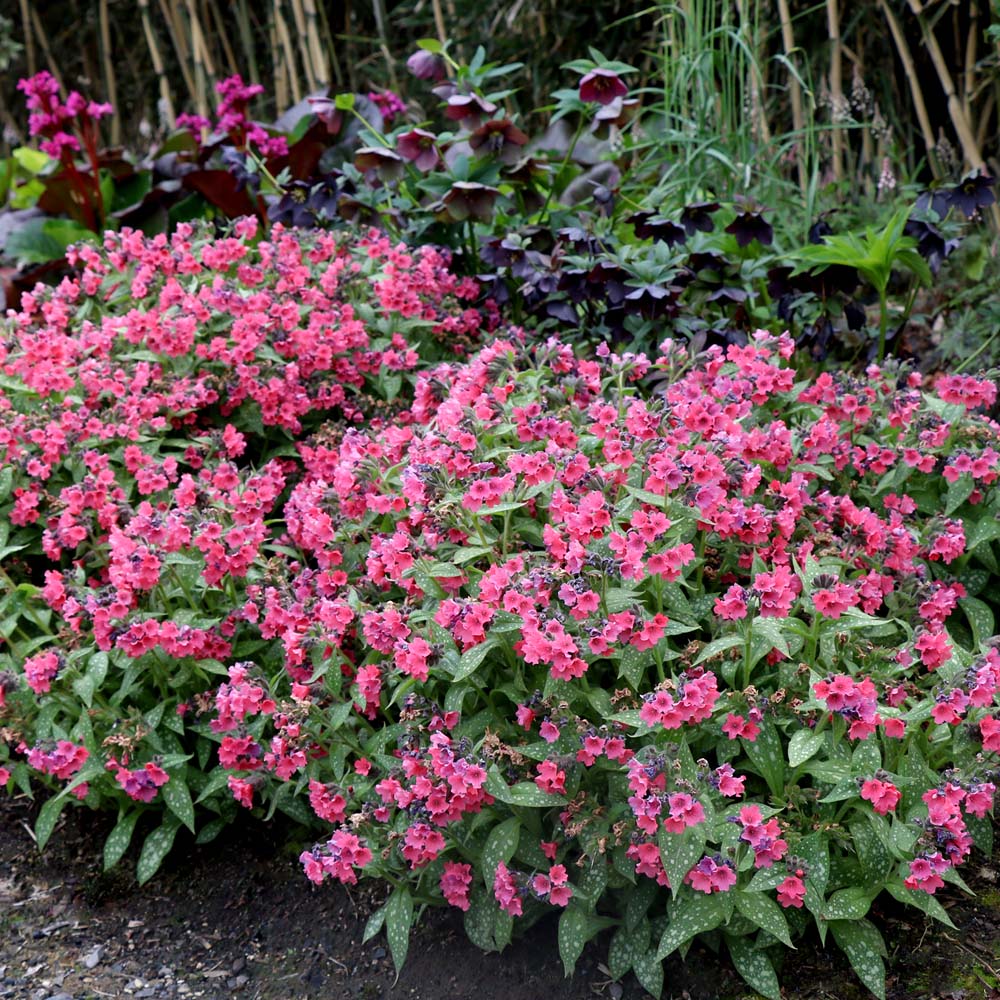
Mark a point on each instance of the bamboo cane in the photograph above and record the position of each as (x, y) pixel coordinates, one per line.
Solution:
(222, 33)
(305, 50)
(794, 91)
(246, 40)
(836, 85)
(154, 53)
(43, 42)
(910, 69)
(970, 60)
(321, 71)
(198, 59)
(289, 53)
(108, 70)
(970, 150)
(29, 41)
(171, 16)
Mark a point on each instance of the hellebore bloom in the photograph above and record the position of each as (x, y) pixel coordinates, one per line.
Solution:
(602, 86)
(328, 113)
(697, 218)
(468, 109)
(973, 193)
(501, 138)
(418, 147)
(750, 225)
(387, 164)
(426, 65)
(468, 199)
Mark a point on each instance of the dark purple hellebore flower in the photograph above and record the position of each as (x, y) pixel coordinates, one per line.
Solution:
(602, 86)
(426, 65)
(697, 217)
(467, 199)
(501, 138)
(973, 193)
(469, 109)
(750, 225)
(293, 208)
(387, 164)
(649, 226)
(418, 147)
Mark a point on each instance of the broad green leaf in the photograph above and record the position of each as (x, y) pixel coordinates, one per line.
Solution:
(754, 966)
(980, 618)
(527, 793)
(626, 946)
(768, 757)
(48, 816)
(680, 852)
(120, 837)
(178, 798)
(472, 659)
(648, 970)
(764, 912)
(851, 903)
(862, 945)
(803, 745)
(156, 847)
(500, 846)
(398, 918)
(573, 927)
(921, 900)
(374, 924)
(692, 915)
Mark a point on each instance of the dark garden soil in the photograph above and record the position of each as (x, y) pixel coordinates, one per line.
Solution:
(238, 919)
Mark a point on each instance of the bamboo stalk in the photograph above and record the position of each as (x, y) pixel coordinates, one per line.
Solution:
(222, 33)
(439, 21)
(378, 8)
(179, 41)
(280, 77)
(43, 41)
(286, 44)
(984, 118)
(320, 67)
(970, 59)
(198, 59)
(108, 70)
(836, 85)
(246, 40)
(305, 52)
(29, 41)
(328, 44)
(166, 103)
(970, 150)
(910, 69)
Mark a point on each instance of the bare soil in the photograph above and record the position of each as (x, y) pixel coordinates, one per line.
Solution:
(237, 919)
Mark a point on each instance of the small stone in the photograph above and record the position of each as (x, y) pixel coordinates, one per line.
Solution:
(615, 991)
(378, 953)
(239, 965)
(93, 957)
(60, 996)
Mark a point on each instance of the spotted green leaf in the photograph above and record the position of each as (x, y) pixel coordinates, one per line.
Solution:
(472, 659)
(692, 915)
(48, 816)
(120, 837)
(804, 744)
(958, 492)
(764, 912)
(863, 946)
(500, 846)
(754, 966)
(576, 928)
(178, 798)
(527, 793)
(648, 970)
(980, 618)
(851, 903)
(626, 946)
(767, 755)
(479, 919)
(639, 900)
(921, 900)
(156, 847)
(398, 918)
(680, 852)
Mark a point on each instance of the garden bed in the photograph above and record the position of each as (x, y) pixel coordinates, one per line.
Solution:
(233, 920)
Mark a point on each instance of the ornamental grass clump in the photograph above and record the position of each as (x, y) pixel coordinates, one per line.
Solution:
(705, 652)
